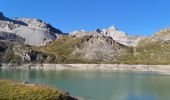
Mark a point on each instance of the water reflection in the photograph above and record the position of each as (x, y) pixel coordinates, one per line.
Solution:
(99, 85)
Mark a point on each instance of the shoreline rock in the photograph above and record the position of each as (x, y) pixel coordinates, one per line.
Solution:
(163, 69)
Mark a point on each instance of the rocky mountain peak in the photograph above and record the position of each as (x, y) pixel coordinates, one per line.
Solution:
(37, 24)
(114, 33)
(118, 36)
(1, 16)
(33, 31)
(113, 27)
(162, 35)
(163, 32)
(34, 23)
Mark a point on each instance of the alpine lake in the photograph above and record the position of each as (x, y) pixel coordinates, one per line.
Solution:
(98, 85)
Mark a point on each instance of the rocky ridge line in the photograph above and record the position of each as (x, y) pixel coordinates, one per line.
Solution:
(34, 31)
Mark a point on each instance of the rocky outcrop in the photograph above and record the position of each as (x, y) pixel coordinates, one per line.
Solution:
(11, 37)
(98, 47)
(80, 33)
(163, 35)
(102, 44)
(19, 53)
(118, 36)
(34, 31)
(114, 33)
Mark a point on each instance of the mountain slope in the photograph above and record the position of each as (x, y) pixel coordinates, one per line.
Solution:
(34, 31)
(94, 48)
(16, 53)
(151, 50)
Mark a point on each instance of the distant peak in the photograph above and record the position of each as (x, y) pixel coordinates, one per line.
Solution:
(1, 13)
(113, 27)
(1, 16)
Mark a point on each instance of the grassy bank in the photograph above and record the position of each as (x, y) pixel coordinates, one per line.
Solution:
(154, 53)
(62, 49)
(10, 90)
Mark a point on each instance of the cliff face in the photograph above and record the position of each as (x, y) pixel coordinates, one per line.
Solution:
(11, 37)
(98, 47)
(118, 36)
(33, 31)
(163, 35)
(18, 53)
(114, 33)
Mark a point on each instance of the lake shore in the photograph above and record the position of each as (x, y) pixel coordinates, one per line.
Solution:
(164, 69)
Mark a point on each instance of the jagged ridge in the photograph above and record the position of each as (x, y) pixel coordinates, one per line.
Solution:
(34, 31)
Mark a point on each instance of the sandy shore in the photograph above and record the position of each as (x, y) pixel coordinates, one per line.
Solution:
(165, 69)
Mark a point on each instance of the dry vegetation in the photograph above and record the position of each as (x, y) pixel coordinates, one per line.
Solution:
(10, 90)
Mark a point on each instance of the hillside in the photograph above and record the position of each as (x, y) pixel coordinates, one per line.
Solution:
(18, 91)
(18, 53)
(151, 50)
(86, 49)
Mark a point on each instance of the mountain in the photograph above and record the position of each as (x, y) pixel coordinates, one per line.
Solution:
(26, 40)
(94, 47)
(97, 46)
(150, 50)
(32, 31)
(118, 36)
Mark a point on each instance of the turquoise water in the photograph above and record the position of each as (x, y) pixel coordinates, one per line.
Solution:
(99, 85)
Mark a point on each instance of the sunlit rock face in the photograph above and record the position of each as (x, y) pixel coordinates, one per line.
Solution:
(162, 35)
(118, 36)
(34, 31)
(114, 33)
(98, 47)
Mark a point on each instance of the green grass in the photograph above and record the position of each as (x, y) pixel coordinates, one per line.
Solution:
(63, 49)
(153, 53)
(146, 53)
(10, 90)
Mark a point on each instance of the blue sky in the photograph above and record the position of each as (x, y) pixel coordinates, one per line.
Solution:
(136, 17)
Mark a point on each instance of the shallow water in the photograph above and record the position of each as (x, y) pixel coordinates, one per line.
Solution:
(99, 85)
